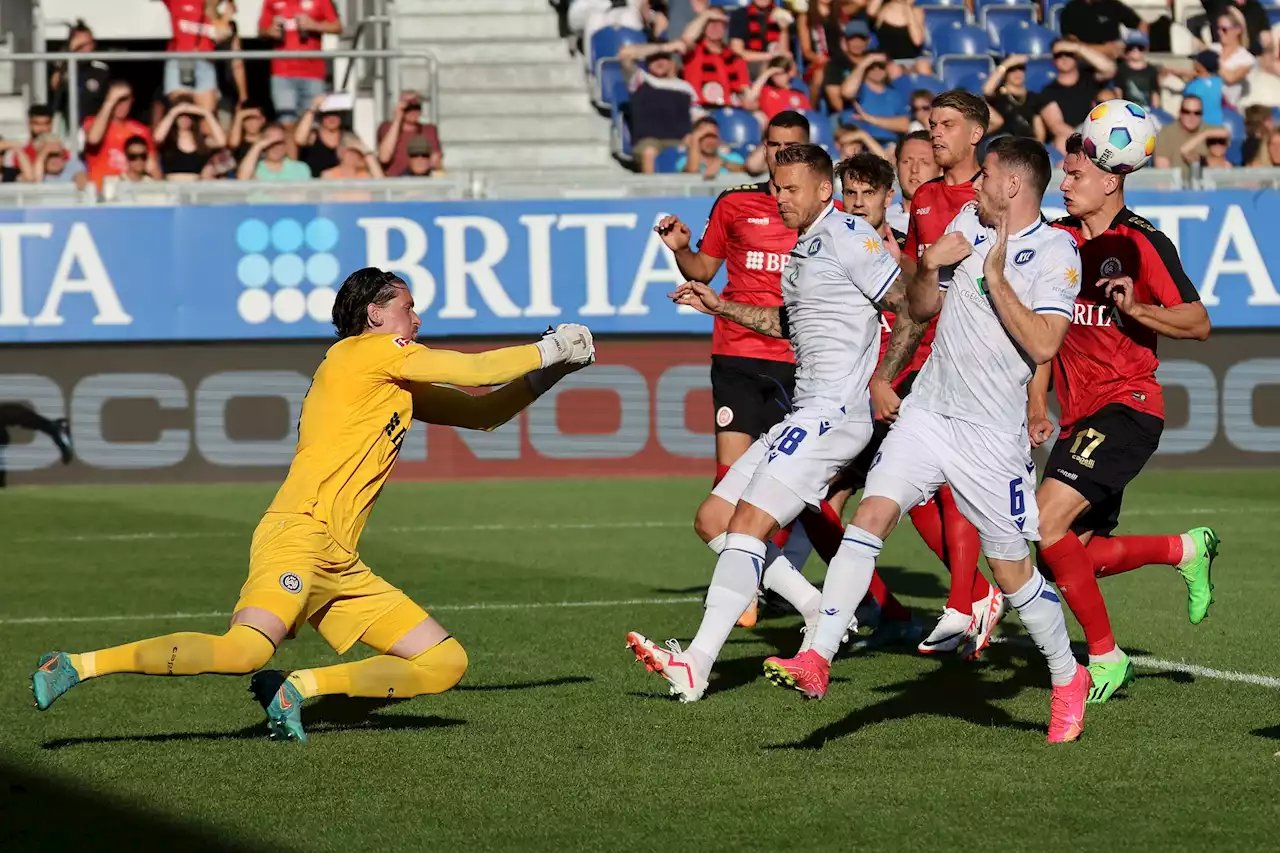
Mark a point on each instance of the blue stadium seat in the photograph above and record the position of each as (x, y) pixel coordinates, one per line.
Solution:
(1234, 122)
(956, 69)
(850, 119)
(1040, 72)
(612, 84)
(974, 81)
(737, 127)
(729, 4)
(1027, 38)
(1055, 156)
(1273, 15)
(960, 40)
(908, 83)
(819, 128)
(933, 3)
(621, 135)
(938, 17)
(997, 19)
(608, 41)
(1053, 14)
(665, 163)
(979, 6)
(1235, 151)
(1162, 118)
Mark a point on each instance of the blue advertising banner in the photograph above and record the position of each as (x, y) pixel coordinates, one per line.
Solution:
(476, 268)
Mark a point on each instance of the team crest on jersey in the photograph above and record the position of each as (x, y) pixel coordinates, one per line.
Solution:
(291, 582)
(724, 416)
(1024, 256)
(872, 245)
(815, 247)
(401, 342)
(1111, 268)
(1071, 276)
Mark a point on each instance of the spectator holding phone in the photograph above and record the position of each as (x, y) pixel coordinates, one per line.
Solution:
(297, 25)
(405, 126)
(317, 143)
(268, 159)
(197, 26)
(107, 134)
(188, 137)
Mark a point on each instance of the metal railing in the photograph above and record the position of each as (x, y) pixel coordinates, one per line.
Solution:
(74, 59)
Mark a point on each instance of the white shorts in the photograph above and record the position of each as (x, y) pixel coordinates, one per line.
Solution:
(792, 464)
(990, 473)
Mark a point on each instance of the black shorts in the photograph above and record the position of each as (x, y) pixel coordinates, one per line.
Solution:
(1104, 452)
(854, 475)
(751, 395)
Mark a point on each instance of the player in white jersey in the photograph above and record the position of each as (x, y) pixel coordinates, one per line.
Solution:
(1006, 285)
(838, 277)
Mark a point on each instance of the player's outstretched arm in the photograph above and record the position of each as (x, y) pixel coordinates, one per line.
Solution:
(1039, 332)
(436, 404)
(759, 318)
(569, 343)
(699, 266)
(1188, 321)
(924, 295)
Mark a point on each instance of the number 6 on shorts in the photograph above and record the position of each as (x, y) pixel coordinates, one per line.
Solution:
(1017, 502)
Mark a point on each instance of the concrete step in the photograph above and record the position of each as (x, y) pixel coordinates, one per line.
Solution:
(13, 111)
(488, 52)
(474, 27)
(472, 7)
(529, 156)
(495, 106)
(516, 77)
(532, 128)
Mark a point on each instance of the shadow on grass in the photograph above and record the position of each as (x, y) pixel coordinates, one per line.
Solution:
(523, 685)
(951, 690)
(327, 714)
(39, 814)
(1272, 732)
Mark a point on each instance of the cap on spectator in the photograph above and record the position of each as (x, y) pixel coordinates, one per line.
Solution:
(857, 28)
(418, 147)
(1208, 59)
(1136, 38)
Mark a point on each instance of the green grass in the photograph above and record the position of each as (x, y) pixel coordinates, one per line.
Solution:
(558, 740)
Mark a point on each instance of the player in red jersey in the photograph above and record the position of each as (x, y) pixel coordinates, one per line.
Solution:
(1133, 291)
(957, 122)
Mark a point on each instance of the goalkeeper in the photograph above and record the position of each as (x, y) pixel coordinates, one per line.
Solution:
(303, 562)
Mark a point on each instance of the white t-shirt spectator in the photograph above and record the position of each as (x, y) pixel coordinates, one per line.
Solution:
(1242, 58)
(611, 16)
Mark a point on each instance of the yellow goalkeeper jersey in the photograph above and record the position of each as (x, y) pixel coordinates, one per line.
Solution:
(359, 409)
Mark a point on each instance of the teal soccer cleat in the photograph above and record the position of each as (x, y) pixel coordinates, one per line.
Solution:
(55, 676)
(283, 704)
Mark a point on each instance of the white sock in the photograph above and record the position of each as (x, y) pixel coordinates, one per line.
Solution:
(733, 587)
(1112, 656)
(798, 547)
(717, 544)
(1040, 610)
(848, 578)
(1188, 551)
(781, 576)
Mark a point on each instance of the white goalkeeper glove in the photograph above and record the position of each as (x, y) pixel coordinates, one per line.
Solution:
(541, 380)
(568, 343)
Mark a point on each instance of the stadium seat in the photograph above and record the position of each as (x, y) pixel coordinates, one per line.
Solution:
(1273, 15)
(609, 40)
(1053, 14)
(960, 40)
(1040, 72)
(945, 3)
(849, 119)
(980, 6)
(621, 136)
(908, 83)
(974, 81)
(819, 128)
(665, 163)
(1162, 118)
(997, 19)
(938, 17)
(1234, 122)
(1027, 38)
(957, 69)
(737, 127)
(1055, 156)
(612, 85)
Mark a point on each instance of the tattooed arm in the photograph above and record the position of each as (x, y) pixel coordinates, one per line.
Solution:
(903, 340)
(758, 318)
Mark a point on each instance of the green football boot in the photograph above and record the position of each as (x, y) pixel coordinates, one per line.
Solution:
(1108, 677)
(55, 676)
(1198, 573)
(282, 702)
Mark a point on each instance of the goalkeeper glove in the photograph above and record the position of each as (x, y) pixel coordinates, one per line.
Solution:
(568, 343)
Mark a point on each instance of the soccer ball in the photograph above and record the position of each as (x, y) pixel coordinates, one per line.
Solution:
(1119, 136)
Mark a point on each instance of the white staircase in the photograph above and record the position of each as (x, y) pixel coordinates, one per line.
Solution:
(512, 99)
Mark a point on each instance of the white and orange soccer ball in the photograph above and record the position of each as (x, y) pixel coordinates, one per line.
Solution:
(1119, 136)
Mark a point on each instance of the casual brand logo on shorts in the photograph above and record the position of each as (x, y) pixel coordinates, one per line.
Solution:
(291, 582)
(1111, 268)
(724, 416)
(1024, 256)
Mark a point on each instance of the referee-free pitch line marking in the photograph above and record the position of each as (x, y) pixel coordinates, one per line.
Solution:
(246, 531)
(1143, 661)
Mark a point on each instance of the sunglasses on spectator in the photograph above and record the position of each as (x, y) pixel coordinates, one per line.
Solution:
(921, 108)
(1187, 112)
(1230, 28)
(1061, 54)
(136, 155)
(1218, 141)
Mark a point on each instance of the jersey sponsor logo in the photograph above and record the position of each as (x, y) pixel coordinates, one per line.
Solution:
(1111, 268)
(1024, 256)
(291, 582)
(758, 220)
(872, 246)
(401, 342)
(815, 247)
(981, 238)
(724, 416)
(1095, 314)
(1071, 276)
(767, 261)
(923, 211)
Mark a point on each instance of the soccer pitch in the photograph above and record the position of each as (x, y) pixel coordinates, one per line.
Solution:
(557, 739)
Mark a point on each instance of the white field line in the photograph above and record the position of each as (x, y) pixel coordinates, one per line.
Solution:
(246, 530)
(1138, 660)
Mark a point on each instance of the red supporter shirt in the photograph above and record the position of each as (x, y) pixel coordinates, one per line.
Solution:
(745, 230)
(191, 29)
(288, 11)
(108, 158)
(775, 99)
(718, 78)
(1106, 358)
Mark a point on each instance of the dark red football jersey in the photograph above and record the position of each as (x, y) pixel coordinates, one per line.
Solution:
(1106, 357)
(746, 231)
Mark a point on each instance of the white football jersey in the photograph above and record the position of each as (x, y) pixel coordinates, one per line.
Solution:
(977, 372)
(838, 270)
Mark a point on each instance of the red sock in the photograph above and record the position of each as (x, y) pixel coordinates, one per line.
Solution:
(1114, 555)
(721, 470)
(825, 530)
(927, 519)
(1073, 572)
(963, 549)
(780, 538)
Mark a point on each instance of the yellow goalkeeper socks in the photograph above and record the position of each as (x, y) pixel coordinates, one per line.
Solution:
(239, 651)
(434, 671)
